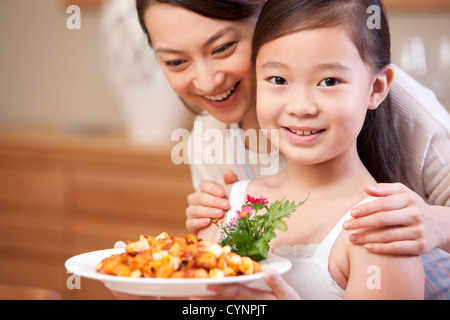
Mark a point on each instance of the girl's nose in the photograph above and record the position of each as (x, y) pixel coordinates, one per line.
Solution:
(302, 104)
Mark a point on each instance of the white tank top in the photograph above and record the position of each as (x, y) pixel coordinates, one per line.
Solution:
(309, 274)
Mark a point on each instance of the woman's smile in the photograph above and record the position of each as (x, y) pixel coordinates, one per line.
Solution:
(225, 99)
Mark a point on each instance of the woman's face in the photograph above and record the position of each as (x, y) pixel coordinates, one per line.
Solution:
(206, 61)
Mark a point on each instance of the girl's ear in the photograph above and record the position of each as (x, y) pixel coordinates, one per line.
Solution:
(380, 87)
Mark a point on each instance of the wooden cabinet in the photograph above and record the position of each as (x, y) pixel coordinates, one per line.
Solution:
(62, 195)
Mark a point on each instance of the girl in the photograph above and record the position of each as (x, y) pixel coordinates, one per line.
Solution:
(200, 70)
(320, 70)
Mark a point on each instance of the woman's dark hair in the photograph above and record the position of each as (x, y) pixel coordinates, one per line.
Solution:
(231, 10)
(378, 143)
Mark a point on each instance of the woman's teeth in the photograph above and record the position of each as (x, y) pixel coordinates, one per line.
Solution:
(223, 96)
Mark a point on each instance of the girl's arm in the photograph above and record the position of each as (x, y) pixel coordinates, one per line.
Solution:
(407, 224)
(384, 277)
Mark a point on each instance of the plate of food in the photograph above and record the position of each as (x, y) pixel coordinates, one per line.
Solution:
(180, 266)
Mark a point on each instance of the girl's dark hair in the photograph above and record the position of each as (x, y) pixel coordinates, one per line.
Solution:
(378, 143)
(231, 10)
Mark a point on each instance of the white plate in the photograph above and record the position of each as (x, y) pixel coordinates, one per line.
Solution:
(84, 265)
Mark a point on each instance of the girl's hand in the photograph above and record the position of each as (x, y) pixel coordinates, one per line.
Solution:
(208, 202)
(280, 290)
(402, 219)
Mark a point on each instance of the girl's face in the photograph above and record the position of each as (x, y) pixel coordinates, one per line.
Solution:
(206, 61)
(313, 87)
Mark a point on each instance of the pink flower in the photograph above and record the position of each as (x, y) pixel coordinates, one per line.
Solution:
(232, 221)
(253, 200)
(245, 211)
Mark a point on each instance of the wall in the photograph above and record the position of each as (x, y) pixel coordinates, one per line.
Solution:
(433, 28)
(50, 74)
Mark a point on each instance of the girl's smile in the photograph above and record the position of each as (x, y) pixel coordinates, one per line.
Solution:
(302, 135)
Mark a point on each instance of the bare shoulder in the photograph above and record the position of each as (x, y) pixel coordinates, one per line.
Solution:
(383, 276)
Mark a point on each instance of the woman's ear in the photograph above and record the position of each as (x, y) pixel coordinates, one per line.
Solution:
(381, 86)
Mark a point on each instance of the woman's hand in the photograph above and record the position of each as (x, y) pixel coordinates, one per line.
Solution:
(280, 290)
(208, 202)
(404, 223)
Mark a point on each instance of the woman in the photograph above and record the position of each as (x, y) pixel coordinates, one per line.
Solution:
(204, 49)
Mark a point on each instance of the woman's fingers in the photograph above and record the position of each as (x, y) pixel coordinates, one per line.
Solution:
(205, 204)
(398, 247)
(230, 177)
(382, 204)
(208, 197)
(394, 223)
(383, 219)
(386, 235)
(385, 189)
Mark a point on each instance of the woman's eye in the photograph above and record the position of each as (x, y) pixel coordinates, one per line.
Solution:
(174, 63)
(277, 80)
(224, 48)
(329, 82)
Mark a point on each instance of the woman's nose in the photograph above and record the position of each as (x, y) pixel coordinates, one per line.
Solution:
(207, 79)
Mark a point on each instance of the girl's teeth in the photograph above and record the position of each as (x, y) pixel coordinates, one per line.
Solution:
(305, 132)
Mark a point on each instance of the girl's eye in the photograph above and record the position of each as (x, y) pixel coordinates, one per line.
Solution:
(329, 82)
(223, 49)
(278, 81)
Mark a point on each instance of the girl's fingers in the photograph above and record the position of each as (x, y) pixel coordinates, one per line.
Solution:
(280, 288)
(240, 292)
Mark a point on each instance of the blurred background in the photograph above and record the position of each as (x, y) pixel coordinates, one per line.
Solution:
(85, 124)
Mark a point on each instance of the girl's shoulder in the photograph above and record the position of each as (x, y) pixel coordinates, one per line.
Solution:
(383, 276)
